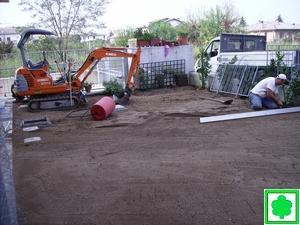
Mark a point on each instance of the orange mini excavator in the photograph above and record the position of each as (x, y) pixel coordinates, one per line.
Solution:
(34, 83)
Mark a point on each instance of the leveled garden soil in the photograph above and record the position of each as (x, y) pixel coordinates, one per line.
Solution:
(153, 163)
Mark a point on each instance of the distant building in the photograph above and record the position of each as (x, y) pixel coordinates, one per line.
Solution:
(92, 37)
(174, 22)
(275, 31)
(9, 34)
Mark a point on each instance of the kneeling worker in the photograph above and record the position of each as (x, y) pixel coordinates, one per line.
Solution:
(265, 93)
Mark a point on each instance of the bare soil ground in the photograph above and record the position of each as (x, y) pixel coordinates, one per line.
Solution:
(154, 163)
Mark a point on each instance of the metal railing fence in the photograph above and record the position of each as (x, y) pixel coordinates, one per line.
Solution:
(276, 47)
(159, 74)
(234, 79)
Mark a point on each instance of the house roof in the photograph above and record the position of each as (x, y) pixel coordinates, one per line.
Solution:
(8, 30)
(272, 26)
(171, 19)
(168, 20)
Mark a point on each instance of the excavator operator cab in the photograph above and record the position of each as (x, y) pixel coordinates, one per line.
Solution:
(40, 65)
(23, 39)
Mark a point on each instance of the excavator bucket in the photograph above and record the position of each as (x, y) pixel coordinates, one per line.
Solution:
(128, 91)
(121, 101)
(122, 98)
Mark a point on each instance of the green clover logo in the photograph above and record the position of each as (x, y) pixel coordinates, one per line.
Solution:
(281, 207)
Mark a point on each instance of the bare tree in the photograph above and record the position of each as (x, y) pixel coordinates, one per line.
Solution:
(65, 17)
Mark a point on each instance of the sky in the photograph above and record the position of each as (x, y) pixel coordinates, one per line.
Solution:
(136, 13)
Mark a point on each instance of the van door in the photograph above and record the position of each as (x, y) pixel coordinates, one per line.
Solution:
(213, 50)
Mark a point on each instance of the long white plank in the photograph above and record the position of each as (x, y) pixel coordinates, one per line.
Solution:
(249, 114)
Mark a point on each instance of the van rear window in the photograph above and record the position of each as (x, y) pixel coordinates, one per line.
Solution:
(242, 43)
(234, 44)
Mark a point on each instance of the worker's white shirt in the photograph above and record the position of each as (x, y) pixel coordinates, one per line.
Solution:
(261, 87)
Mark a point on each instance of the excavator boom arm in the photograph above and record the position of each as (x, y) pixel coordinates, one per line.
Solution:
(104, 52)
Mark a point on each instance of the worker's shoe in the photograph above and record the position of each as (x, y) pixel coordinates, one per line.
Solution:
(257, 108)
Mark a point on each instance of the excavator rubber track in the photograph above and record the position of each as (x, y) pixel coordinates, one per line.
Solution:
(54, 103)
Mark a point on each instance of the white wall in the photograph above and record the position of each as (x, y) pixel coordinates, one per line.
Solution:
(13, 37)
(157, 54)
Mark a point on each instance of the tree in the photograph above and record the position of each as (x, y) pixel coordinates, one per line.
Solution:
(194, 27)
(241, 27)
(6, 48)
(279, 19)
(243, 22)
(221, 18)
(204, 67)
(211, 24)
(230, 17)
(123, 35)
(41, 43)
(164, 30)
(65, 17)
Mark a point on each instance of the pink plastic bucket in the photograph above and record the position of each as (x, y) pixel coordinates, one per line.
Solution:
(101, 109)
